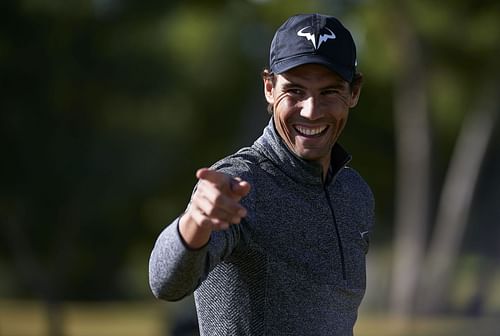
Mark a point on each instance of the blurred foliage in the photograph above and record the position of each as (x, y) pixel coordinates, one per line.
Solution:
(109, 106)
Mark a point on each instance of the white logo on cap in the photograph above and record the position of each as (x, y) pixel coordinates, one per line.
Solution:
(312, 37)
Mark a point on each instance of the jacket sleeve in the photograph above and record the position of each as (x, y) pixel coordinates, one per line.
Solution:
(175, 270)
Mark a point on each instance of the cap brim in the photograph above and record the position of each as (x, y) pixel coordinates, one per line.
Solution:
(343, 71)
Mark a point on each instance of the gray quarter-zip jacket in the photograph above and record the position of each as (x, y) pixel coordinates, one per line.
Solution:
(294, 266)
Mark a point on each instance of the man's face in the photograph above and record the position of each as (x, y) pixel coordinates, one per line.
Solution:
(310, 109)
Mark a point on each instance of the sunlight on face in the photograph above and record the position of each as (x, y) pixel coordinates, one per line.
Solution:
(311, 105)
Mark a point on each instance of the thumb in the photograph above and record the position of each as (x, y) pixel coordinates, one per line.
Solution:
(240, 187)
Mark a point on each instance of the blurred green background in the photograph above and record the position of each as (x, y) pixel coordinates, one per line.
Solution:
(108, 107)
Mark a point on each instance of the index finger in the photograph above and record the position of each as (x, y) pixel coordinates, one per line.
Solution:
(219, 179)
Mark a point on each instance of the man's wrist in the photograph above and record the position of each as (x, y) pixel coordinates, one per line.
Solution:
(194, 236)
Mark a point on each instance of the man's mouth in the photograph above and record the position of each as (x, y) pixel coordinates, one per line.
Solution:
(310, 131)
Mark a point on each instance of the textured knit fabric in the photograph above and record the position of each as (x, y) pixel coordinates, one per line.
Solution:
(294, 266)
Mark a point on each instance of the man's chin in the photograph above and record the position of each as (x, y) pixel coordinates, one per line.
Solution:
(309, 155)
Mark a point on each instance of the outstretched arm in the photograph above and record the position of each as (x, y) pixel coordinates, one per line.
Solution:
(181, 255)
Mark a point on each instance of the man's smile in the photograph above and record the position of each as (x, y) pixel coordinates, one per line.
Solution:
(310, 131)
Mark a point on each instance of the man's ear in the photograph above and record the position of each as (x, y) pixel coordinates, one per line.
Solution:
(356, 85)
(268, 80)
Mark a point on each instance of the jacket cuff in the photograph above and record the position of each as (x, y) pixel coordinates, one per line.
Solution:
(186, 246)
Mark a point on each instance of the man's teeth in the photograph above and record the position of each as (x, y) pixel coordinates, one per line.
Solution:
(310, 131)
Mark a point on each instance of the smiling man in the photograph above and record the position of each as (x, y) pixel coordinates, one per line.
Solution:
(274, 239)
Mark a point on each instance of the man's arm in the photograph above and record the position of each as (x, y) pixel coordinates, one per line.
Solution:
(179, 257)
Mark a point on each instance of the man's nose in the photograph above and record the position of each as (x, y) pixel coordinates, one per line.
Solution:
(310, 108)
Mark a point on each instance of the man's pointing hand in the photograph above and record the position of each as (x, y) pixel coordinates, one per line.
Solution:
(214, 206)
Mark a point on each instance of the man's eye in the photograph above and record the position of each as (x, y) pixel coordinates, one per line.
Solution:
(294, 91)
(331, 92)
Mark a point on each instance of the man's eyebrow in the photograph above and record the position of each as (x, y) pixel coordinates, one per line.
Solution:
(336, 85)
(290, 85)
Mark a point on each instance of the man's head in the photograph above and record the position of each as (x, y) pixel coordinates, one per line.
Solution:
(312, 83)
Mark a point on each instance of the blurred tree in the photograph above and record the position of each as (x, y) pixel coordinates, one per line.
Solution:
(432, 39)
(477, 40)
(457, 195)
(413, 145)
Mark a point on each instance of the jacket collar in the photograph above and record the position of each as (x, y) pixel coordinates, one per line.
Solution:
(273, 147)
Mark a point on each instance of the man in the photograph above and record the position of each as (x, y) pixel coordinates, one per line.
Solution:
(274, 239)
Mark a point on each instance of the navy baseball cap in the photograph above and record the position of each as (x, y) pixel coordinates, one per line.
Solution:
(313, 38)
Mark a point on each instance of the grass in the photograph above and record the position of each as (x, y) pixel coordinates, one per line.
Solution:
(21, 318)
(448, 326)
